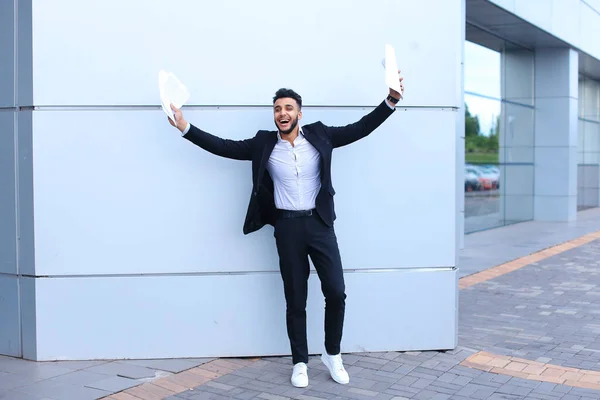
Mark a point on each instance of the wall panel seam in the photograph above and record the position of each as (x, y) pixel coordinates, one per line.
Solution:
(217, 107)
(16, 166)
(233, 273)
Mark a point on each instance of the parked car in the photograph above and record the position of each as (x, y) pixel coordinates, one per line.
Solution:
(471, 181)
(487, 175)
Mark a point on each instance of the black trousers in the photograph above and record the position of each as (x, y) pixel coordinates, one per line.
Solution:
(297, 239)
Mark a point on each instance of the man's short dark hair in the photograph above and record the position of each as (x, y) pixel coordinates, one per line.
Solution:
(282, 93)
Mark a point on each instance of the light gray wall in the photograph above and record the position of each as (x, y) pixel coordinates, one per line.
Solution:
(24, 71)
(236, 315)
(119, 195)
(10, 331)
(8, 221)
(243, 64)
(7, 49)
(26, 253)
(10, 343)
(16, 196)
(146, 201)
(577, 22)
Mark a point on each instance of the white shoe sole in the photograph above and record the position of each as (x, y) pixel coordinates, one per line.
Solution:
(332, 375)
(300, 385)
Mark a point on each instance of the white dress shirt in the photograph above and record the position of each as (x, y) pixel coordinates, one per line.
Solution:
(296, 173)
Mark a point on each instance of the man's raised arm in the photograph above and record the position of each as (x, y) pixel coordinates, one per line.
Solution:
(234, 149)
(344, 135)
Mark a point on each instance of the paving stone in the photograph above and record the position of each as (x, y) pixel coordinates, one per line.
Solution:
(526, 383)
(422, 383)
(123, 370)
(502, 396)
(114, 384)
(462, 380)
(446, 385)
(390, 366)
(381, 386)
(444, 390)
(512, 389)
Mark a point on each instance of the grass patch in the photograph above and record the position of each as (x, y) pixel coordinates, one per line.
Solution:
(481, 158)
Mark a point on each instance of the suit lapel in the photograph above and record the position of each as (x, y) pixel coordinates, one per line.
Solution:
(270, 143)
(315, 140)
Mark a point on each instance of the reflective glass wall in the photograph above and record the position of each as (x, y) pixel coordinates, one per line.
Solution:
(499, 127)
(588, 174)
(588, 149)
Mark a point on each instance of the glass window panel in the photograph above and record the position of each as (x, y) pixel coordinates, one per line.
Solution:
(517, 180)
(483, 203)
(517, 135)
(518, 208)
(581, 90)
(483, 209)
(517, 76)
(498, 180)
(591, 99)
(499, 133)
(591, 94)
(482, 70)
(580, 137)
(591, 158)
(482, 128)
(588, 169)
(591, 136)
(589, 199)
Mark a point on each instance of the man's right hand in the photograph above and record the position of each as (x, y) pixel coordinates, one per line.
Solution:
(179, 123)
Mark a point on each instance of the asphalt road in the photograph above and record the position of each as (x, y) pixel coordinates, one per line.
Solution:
(482, 203)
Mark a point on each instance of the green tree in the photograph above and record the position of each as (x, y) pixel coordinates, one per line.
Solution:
(471, 123)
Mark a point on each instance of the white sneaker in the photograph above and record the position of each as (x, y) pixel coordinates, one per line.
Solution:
(300, 375)
(336, 368)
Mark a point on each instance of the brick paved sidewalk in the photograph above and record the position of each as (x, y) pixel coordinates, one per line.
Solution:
(529, 329)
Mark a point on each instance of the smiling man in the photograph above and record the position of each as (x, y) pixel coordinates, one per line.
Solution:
(292, 191)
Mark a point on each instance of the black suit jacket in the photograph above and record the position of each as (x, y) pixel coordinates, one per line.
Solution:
(261, 209)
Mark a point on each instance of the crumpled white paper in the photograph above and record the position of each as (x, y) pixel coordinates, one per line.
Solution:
(172, 91)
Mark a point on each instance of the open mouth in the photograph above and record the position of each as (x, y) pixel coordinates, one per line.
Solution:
(284, 122)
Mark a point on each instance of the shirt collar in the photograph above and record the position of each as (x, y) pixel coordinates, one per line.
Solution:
(299, 133)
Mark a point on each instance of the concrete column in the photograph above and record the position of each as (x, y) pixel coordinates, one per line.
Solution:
(556, 96)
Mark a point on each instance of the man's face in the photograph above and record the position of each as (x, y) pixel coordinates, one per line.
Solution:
(286, 114)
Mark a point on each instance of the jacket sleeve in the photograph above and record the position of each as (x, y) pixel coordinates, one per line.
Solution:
(234, 149)
(344, 135)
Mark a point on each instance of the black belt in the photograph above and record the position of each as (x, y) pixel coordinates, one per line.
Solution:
(283, 214)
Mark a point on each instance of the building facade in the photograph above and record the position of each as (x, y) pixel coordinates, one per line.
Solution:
(532, 99)
(120, 239)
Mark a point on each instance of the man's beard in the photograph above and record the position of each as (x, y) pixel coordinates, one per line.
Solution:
(291, 128)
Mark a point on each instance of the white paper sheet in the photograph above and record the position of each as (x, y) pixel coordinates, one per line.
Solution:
(172, 91)
(391, 69)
